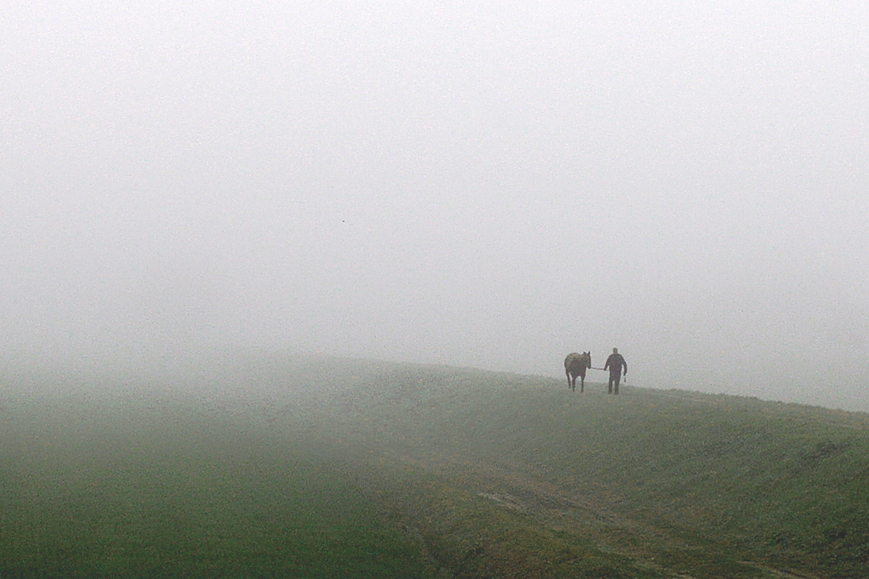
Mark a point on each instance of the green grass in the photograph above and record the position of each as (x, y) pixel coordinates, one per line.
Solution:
(164, 488)
(474, 537)
(352, 468)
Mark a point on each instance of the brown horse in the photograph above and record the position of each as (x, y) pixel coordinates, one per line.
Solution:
(575, 365)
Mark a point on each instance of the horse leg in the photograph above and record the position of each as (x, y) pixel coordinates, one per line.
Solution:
(568, 378)
(581, 383)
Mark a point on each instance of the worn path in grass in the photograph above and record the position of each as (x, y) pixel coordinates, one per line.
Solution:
(585, 517)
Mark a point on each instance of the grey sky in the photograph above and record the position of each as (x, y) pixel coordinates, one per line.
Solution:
(490, 184)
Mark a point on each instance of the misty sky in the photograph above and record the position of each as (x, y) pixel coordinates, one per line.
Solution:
(488, 184)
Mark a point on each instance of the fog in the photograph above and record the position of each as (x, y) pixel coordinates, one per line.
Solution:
(492, 184)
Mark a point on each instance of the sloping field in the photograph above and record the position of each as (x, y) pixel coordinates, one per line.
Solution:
(351, 468)
(703, 485)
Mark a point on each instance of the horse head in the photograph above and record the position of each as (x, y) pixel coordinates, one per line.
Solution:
(588, 359)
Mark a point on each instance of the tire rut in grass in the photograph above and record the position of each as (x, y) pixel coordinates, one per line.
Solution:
(573, 517)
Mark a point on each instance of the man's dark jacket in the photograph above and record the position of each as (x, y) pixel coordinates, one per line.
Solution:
(615, 363)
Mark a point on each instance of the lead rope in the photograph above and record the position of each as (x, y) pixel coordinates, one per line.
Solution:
(625, 383)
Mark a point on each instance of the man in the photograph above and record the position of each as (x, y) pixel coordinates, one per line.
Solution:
(614, 364)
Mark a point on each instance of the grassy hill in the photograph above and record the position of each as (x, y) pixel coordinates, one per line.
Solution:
(782, 485)
(330, 467)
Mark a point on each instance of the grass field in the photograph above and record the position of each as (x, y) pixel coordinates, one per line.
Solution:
(137, 485)
(287, 468)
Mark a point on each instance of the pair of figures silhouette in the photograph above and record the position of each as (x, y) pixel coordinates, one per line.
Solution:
(576, 364)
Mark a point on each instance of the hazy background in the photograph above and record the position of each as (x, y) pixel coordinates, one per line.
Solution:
(490, 184)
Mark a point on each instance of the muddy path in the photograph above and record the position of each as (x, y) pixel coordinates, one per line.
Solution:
(585, 517)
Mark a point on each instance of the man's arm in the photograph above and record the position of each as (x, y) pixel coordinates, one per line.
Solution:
(625, 364)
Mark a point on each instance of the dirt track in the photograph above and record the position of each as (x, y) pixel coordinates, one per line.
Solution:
(556, 508)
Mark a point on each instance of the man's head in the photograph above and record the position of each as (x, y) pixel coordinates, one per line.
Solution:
(615, 350)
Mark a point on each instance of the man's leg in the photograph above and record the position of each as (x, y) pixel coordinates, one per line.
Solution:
(618, 378)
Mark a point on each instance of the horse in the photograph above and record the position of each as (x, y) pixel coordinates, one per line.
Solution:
(575, 365)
